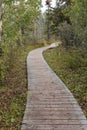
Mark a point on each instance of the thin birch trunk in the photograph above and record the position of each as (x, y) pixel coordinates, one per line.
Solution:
(0, 27)
(0, 20)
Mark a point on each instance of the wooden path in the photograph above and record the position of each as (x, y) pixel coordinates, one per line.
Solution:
(50, 105)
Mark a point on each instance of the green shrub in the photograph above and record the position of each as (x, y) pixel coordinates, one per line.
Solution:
(66, 33)
(73, 61)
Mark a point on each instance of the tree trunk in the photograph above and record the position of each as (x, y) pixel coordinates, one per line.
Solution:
(0, 27)
(0, 20)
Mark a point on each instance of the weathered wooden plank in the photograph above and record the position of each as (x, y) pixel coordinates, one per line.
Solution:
(50, 105)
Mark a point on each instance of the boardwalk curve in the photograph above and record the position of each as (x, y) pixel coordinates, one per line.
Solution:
(50, 105)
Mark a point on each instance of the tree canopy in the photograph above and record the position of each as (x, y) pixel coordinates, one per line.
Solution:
(19, 19)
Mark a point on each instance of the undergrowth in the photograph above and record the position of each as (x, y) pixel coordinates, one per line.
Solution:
(13, 92)
(71, 66)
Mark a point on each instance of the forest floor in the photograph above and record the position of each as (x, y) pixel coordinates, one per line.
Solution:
(71, 67)
(13, 92)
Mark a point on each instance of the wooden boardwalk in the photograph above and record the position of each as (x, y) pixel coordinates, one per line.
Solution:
(50, 105)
